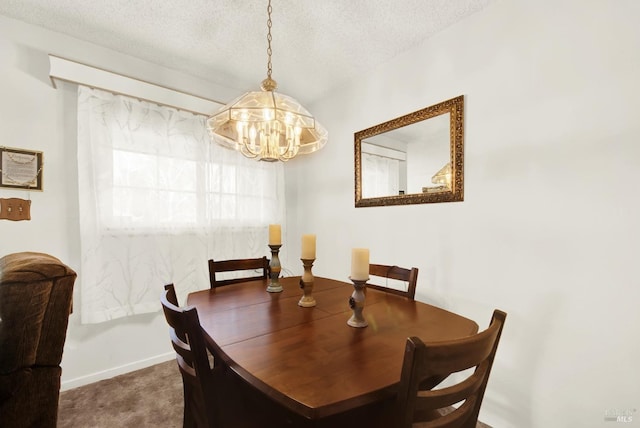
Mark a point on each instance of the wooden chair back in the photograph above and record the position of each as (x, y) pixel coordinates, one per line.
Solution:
(198, 376)
(437, 360)
(260, 265)
(410, 276)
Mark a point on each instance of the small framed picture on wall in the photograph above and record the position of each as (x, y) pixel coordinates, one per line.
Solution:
(20, 168)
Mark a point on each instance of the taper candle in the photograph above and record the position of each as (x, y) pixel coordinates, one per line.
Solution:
(360, 264)
(308, 247)
(275, 234)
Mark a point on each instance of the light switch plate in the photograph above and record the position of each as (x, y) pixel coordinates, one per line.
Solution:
(15, 209)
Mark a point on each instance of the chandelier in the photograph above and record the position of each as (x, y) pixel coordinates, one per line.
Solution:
(443, 176)
(266, 125)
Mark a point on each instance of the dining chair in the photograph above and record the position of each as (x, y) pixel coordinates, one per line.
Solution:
(410, 276)
(214, 397)
(198, 377)
(260, 264)
(437, 407)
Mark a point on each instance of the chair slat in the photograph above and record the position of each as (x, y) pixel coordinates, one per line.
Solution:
(260, 264)
(410, 276)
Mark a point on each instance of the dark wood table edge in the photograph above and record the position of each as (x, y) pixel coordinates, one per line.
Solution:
(290, 404)
(303, 410)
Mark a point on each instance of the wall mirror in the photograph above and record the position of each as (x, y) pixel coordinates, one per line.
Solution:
(413, 159)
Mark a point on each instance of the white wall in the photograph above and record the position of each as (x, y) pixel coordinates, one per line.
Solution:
(548, 230)
(36, 116)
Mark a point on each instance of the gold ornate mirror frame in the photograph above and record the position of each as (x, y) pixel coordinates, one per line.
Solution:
(452, 193)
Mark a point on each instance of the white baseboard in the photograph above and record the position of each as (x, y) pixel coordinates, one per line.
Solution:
(115, 371)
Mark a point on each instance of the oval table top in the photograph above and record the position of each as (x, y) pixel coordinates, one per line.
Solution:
(309, 359)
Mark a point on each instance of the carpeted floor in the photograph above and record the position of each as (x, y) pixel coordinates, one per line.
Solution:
(151, 397)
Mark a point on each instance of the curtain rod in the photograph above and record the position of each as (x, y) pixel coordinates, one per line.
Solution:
(66, 70)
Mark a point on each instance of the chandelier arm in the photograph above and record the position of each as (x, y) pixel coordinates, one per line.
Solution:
(247, 147)
(246, 151)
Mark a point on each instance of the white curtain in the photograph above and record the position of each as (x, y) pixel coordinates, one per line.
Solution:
(380, 176)
(157, 199)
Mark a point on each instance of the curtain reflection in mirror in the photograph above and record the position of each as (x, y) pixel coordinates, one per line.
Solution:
(384, 171)
(381, 177)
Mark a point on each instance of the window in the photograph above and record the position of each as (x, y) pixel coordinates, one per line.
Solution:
(157, 200)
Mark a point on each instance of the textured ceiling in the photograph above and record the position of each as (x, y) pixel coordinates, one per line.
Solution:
(317, 44)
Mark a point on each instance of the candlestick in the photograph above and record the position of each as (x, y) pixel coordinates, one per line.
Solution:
(360, 263)
(306, 283)
(356, 302)
(275, 234)
(274, 267)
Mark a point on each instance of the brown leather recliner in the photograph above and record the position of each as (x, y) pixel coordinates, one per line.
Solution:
(35, 302)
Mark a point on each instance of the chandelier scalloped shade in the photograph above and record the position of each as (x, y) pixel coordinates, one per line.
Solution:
(268, 126)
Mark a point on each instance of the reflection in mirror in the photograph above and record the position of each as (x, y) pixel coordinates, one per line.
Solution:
(405, 160)
(416, 158)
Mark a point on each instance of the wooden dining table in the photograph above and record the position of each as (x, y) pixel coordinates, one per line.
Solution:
(308, 359)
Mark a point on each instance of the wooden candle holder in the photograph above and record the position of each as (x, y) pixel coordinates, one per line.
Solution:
(306, 283)
(356, 302)
(274, 267)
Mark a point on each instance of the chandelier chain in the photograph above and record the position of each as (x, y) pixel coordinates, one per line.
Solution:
(269, 9)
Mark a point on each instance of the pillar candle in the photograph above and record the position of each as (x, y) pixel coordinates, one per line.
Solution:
(275, 234)
(360, 263)
(308, 247)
